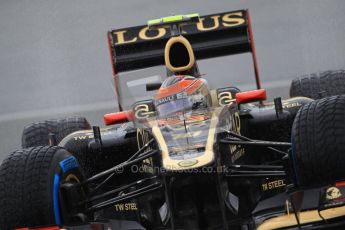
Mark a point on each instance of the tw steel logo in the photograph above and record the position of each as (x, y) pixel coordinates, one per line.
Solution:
(207, 23)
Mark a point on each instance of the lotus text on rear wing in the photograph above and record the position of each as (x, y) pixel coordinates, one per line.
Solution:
(208, 23)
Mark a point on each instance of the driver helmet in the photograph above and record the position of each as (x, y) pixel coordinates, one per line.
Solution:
(182, 93)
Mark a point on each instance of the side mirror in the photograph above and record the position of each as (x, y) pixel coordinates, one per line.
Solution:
(251, 96)
(153, 86)
(140, 111)
(118, 118)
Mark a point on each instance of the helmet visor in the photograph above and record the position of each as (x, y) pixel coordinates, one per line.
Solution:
(174, 107)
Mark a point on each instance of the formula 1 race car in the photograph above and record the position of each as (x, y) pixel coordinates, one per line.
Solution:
(181, 154)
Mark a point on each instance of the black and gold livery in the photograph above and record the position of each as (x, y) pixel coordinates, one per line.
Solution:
(189, 157)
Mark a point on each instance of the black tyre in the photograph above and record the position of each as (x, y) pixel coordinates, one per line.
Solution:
(29, 186)
(318, 139)
(37, 134)
(319, 85)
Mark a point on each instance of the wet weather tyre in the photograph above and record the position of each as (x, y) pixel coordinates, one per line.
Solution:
(318, 142)
(29, 186)
(319, 85)
(37, 133)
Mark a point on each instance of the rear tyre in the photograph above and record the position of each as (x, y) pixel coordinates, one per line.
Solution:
(37, 134)
(319, 85)
(318, 140)
(29, 186)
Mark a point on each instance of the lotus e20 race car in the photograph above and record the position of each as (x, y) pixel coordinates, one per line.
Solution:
(181, 154)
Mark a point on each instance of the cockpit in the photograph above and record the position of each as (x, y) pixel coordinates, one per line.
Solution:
(182, 96)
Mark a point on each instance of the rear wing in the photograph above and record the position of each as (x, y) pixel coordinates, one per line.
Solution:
(214, 35)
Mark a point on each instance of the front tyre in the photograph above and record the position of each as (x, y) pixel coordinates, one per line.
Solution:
(29, 186)
(318, 142)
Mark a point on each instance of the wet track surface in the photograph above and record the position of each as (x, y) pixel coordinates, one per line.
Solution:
(54, 59)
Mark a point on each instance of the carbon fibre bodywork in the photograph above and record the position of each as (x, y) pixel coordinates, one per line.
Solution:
(196, 197)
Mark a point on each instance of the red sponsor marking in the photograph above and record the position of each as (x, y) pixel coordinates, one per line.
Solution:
(340, 184)
(189, 85)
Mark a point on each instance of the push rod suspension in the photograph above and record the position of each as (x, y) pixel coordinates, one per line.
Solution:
(127, 163)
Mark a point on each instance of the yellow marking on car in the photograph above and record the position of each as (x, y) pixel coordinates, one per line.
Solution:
(206, 158)
(305, 217)
(126, 207)
(273, 185)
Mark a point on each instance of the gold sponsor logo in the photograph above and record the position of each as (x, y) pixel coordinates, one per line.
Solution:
(233, 123)
(225, 98)
(126, 207)
(287, 105)
(273, 185)
(188, 163)
(231, 19)
(142, 111)
(89, 135)
(333, 193)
